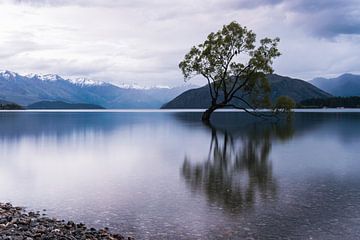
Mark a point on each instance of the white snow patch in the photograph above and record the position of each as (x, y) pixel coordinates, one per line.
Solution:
(7, 74)
(139, 87)
(45, 77)
(86, 82)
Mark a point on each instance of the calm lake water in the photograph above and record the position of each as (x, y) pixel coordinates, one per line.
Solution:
(164, 175)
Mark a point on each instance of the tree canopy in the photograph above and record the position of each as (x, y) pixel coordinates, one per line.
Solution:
(284, 104)
(233, 66)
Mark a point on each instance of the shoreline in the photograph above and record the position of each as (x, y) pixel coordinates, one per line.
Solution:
(179, 110)
(18, 224)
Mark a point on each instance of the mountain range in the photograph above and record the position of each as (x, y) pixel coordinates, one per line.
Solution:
(51, 89)
(297, 89)
(345, 85)
(26, 90)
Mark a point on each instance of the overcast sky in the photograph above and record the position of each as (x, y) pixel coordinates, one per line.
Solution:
(142, 41)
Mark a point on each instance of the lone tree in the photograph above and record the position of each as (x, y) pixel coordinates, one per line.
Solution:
(235, 69)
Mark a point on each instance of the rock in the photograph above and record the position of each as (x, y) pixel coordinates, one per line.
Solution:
(16, 224)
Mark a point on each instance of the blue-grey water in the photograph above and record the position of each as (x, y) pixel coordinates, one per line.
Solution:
(165, 175)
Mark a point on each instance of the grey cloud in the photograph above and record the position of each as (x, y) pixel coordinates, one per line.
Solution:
(143, 41)
(10, 48)
(42, 2)
(319, 5)
(218, 3)
(83, 3)
(327, 18)
(244, 4)
(324, 18)
(74, 67)
(333, 25)
(18, 43)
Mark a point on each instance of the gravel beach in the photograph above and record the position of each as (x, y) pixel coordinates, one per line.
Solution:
(17, 224)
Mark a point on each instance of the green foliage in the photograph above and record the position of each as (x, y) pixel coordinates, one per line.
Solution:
(230, 62)
(284, 104)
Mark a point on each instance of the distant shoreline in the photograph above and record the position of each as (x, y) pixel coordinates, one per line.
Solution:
(297, 110)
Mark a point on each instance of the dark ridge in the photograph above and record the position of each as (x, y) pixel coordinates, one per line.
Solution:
(334, 102)
(62, 105)
(297, 89)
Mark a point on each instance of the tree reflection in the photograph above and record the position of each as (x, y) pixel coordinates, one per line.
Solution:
(237, 170)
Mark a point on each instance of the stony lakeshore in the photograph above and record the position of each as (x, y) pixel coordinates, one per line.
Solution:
(17, 224)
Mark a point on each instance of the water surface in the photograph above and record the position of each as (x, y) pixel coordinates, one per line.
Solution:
(165, 175)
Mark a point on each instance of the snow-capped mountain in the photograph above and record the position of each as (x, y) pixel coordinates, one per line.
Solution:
(46, 77)
(55, 77)
(8, 74)
(86, 82)
(32, 88)
(136, 86)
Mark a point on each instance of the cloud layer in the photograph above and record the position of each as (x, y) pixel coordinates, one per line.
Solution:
(143, 41)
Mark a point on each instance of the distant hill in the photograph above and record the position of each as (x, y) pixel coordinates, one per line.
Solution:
(33, 88)
(3, 102)
(62, 105)
(297, 89)
(345, 85)
(6, 105)
(333, 102)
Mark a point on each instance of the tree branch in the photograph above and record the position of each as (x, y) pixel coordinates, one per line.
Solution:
(254, 113)
(210, 88)
(225, 73)
(246, 102)
(237, 77)
(243, 84)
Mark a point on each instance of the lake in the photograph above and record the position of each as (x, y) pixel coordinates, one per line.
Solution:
(165, 175)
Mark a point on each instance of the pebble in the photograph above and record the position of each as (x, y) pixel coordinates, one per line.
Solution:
(16, 224)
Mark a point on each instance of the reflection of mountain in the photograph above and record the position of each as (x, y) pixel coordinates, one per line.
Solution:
(242, 123)
(237, 169)
(15, 125)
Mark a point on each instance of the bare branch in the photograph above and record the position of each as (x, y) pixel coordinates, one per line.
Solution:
(209, 85)
(246, 102)
(237, 78)
(254, 113)
(243, 84)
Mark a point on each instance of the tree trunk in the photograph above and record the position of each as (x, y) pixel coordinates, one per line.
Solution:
(207, 114)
